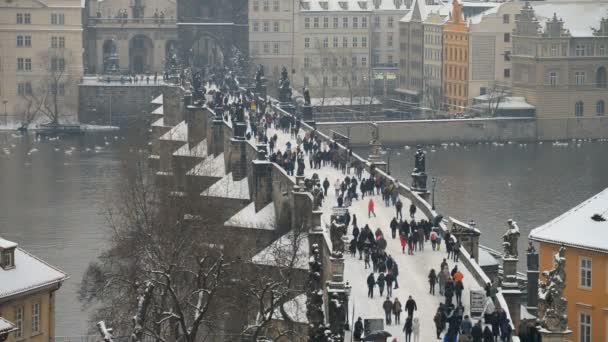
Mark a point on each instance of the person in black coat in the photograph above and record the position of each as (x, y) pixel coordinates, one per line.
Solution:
(355, 232)
(410, 306)
(358, 330)
(412, 210)
(325, 186)
(394, 225)
(487, 335)
(476, 332)
(371, 282)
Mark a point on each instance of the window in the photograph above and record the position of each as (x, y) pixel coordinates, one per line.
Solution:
(57, 64)
(586, 264)
(275, 26)
(19, 18)
(344, 42)
(24, 64)
(24, 18)
(344, 61)
(8, 260)
(391, 22)
(363, 42)
(377, 22)
(35, 318)
(506, 19)
(307, 62)
(57, 19)
(389, 59)
(335, 42)
(275, 48)
(266, 26)
(553, 78)
(600, 108)
(345, 22)
(306, 81)
(325, 81)
(355, 22)
(307, 43)
(24, 88)
(335, 62)
(255, 48)
(602, 50)
(579, 110)
(334, 81)
(364, 62)
(580, 50)
(275, 6)
(256, 5)
(584, 327)
(266, 5)
(266, 47)
(354, 61)
(315, 22)
(336, 22)
(364, 22)
(325, 61)
(507, 56)
(306, 23)
(256, 26)
(507, 73)
(579, 77)
(325, 42)
(355, 42)
(325, 22)
(507, 37)
(58, 89)
(344, 81)
(19, 321)
(389, 39)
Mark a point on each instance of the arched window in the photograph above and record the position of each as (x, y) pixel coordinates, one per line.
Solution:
(579, 109)
(600, 77)
(600, 108)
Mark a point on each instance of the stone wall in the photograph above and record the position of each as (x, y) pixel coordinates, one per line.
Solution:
(117, 105)
(471, 130)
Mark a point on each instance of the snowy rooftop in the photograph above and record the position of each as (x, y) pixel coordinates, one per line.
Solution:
(199, 150)
(227, 187)
(577, 228)
(342, 101)
(177, 133)
(248, 218)
(210, 167)
(579, 16)
(30, 273)
(350, 5)
(158, 100)
(159, 111)
(159, 123)
(280, 253)
(5, 244)
(6, 326)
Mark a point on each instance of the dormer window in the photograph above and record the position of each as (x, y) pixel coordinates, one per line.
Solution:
(324, 5)
(343, 5)
(363, 5)
(305, 5)
(7, 259)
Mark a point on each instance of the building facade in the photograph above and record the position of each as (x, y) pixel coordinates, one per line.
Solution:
(27, 293)
(40, 55)
(561, 67)
(582, 231)
(456, 61)
(411, 40)
(272, 35)
(141, 32)
(432, 87)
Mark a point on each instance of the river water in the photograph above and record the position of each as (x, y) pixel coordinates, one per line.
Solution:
(52, 201)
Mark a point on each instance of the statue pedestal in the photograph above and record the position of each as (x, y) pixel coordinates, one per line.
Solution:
(337, 269)
(307, 116)
(419, 182)
(555, 336)
(509, 270)
(240, 128)
(288, 107)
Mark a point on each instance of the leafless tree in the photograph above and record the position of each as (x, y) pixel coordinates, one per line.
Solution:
(496, 94)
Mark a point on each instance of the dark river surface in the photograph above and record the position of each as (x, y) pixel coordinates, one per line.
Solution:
(52, 201)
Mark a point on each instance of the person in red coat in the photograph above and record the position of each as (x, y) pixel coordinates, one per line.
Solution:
(403, 240)
(370, 208)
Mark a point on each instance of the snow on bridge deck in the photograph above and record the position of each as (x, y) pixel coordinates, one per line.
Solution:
(413, 269)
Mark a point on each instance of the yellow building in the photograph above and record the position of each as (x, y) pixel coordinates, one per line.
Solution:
(584, 232)
(455, 61)
(40, 53)
(27, 294)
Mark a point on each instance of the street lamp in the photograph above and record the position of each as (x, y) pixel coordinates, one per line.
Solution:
(5, 112)
(388, 165)
(434, 180)
(347, 290)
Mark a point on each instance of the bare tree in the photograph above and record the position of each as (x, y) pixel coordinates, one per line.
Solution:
(496, 95)
(52, 96)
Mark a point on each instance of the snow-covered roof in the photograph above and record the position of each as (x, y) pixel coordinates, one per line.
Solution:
(159, 123)
(177, 133)
(579, 16)
(351, 5)
(159, 111)
(508, 102)
(5, 244)
(248, 218)
(210, 167)
(281, 252)
(493, 8)
(199, 150)
(342, 101)
(6, 326)
(295, 308)
(29, 273)
(227, 187)
(486, 258)
(576, 227)
(158, 100)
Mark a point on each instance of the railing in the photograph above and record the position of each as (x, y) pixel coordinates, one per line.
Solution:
(125, 21)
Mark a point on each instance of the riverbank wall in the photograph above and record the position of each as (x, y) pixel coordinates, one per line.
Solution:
(408, 132)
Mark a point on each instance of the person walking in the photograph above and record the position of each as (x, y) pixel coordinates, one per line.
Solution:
(438, 320)
(487, 335)
(371, 282)
(397, 310)
(408, 328)
(444, 275)
(477, 332)
(403, 240)
(337, 187)
(393, 226)
(358, 330)
(410, 306)
(456, 250)
(388, 279)
(396, 273)
(370, 208)
(412, 210)
(381, 282)
(416, 329)
(449, 291)
(433, 238)
(505, 330)
(458, 288)
(325, 186)
(398, 208)
(432, 281)
(387, 306)
(466, 326)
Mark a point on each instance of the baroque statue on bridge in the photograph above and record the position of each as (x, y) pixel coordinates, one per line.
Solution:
(259, 76)
(420, 159)
(552, 306)
(509, 240)
(285, 91)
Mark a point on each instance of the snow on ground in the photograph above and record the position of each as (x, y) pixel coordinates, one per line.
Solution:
(413, 269)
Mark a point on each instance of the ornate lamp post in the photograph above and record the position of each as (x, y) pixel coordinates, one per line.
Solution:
(347, 291)
(434, 180)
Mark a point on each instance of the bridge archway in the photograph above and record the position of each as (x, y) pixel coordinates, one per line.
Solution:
(141, 54)
(207, 50)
